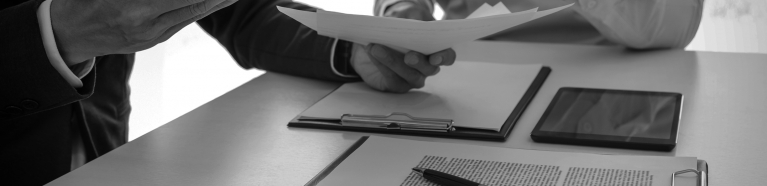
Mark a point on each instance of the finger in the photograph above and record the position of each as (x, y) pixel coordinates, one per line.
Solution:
(222, 5)
(419, 62)
(421, 15)
(174, 29)
(168, 5)
(415, 15)
(391, 80)
(409, 10)
(183, 14)
(445, 57)
(395, 61)
(397, 9)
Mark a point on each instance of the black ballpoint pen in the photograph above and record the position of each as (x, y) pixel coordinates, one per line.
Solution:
(444, 179)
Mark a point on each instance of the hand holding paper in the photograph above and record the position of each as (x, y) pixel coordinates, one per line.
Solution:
(426, 37)
(406, 51)
(388, 70)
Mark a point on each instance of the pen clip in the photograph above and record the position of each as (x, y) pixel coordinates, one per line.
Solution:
(398, 121)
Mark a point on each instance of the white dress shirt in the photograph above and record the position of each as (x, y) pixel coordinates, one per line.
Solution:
(644, 23)
(633, 23)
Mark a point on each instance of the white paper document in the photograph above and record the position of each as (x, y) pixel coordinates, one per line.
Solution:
(388, 161)
(472, 94)
(487, 10)
(426, 37)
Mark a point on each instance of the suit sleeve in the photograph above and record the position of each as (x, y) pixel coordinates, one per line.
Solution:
(28, 82)
(257, 35)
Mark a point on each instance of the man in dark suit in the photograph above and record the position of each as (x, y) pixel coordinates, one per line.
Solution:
(65, 64)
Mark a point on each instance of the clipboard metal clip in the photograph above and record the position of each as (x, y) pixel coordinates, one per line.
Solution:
(398, 121)
(702, 177)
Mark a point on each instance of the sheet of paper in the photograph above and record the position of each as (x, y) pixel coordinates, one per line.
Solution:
(423, 36)
(473, 94)
(549, 11)
(487, 10)
(481, 11)
(388, 161)
(309, 19)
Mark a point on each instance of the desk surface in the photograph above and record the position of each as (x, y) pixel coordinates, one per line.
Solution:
(241, 138)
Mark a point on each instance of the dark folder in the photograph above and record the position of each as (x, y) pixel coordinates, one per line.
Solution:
(412, 124)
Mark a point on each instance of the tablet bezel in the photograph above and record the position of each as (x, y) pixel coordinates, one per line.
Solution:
(609, 140)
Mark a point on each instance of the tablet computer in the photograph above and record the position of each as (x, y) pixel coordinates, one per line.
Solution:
(611, 118)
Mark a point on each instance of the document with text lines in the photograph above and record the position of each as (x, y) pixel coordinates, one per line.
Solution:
(388, 161)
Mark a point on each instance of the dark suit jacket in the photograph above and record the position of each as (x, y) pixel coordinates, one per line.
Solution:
(40, 112)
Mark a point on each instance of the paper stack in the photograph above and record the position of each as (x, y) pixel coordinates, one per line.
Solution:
(422, 36)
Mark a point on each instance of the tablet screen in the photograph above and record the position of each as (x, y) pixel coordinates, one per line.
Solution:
(617, 113)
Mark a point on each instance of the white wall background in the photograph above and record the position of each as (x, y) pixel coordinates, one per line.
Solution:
(191, 68)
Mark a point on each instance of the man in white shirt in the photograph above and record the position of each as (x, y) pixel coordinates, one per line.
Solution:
(638, 24)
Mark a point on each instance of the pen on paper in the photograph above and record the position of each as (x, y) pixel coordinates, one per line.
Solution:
(444, 179)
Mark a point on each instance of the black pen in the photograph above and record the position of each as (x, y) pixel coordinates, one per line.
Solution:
(444, 179)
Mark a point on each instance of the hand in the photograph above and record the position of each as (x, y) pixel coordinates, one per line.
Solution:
(87, 28)
(388, 70)
(409, 10)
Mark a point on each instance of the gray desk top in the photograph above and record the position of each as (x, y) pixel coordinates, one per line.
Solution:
(241, 138)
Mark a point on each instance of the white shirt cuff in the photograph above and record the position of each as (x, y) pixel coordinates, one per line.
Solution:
(332, 62)
(51, 50)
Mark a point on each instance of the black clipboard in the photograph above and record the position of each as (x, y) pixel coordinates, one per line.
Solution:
(402, 123)
(701, 172)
